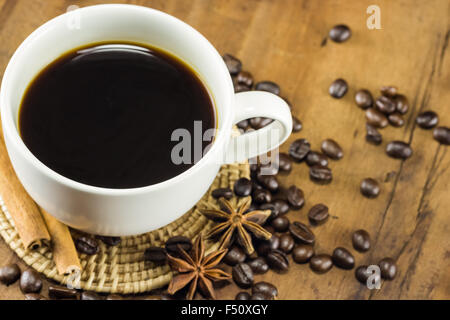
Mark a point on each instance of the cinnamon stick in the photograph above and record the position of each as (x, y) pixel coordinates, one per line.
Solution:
(64, 253)
(23, 210)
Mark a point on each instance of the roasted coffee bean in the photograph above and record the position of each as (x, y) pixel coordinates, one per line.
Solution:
(243, 124)
(389, 91)
(385, 105)
(299, 149)
(9, 274)
(401, 104)
(87, 245)
(373, 136)
(110, 241)
(245, 78)
(362, 274)
(284, 162)
(269, 182)
(361, 240)
(241, 88)
(234, 256)
(280, 224)
(173, 244)
(262, 196)
(268, 86)
(296, 124)
(226, 193)
(30, 281)
(259, 122)
(243, 187)
(34, 296)
(60, 292)
(320, 175)
(242, 296)
(114, 297)
(398, 150)
(376, 118)
(316, 158)
(269, 228)
(427, 119)
(282, 206)
(301, 233)
(342, 258)
(338, 88)
(321, 263)
(332, 149)
(364, 99)
(278, 261)
(258, 265)
(265, 246)
(266, 288)
(396, 120)
(259, 296)
(318, 214)
(274, 211)
(340, 33)
(242, 275)
(388, 268)
(155, 255)
(286, 243)
(295, 197)
(370, 188)
(89, 295)
(302, 253)
(233, 64)
(442, 135)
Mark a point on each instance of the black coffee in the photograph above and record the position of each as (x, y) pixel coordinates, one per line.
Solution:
(104, 115)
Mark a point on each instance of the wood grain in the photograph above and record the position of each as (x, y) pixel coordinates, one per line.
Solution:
(285, 41)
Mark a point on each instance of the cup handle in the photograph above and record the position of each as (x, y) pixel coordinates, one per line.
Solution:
(252, 104)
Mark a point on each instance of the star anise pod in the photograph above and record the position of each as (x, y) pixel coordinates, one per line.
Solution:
(238, 224)
(197, 270)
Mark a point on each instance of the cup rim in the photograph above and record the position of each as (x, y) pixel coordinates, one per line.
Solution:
(10, 129)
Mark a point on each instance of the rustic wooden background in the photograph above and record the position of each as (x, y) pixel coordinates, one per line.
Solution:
(284, 41)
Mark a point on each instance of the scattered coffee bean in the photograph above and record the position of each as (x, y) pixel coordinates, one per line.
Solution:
(172, 244)
(370, 188)
(233, 64)
(258, 296)
(259, 122)
(320, 175)
(269, 182)
(242, 296)
(376, 118)
(401, 104)
(110, 241)
(301, 233)
(389, 91)
(318, 214)
(226, 193)
(332, 149)
(299, 149)
(295, 198)
(342, 258)
(321, 263)
(286, 243)
(243, 187)
(243, 124)
(262, 196)
(340, 33)
(338, 88)
(302, 253)
(396, 119)
(316, 158)
(362, 274)
(245, 78)
(364, 99)
(385, 105)
(156, 255)
(89, 295)
(242, 275)
(442, 135)
(30, 281)
(282, 206)
(373, 136)
(280, 224)
(34, 296)
(361, 240)
(296, 124)
(266, 288)
(87, 245)
(9, 274)
(388, 268)
(241, 88)
(60, 292)
(427, 119)
(268, 86)
(278, 261)
(274, 211)
(398, 150)
(234, 256)
(284, 162)
(265, 246)
(258, 265)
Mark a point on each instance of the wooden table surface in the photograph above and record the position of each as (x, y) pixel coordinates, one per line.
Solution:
(284, 41)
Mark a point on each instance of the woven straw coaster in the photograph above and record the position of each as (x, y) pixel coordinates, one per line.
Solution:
(122, 269)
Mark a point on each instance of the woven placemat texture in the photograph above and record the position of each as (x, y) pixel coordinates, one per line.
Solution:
(122, 269)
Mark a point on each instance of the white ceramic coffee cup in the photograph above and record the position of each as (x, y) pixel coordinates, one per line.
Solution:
(131, 211)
